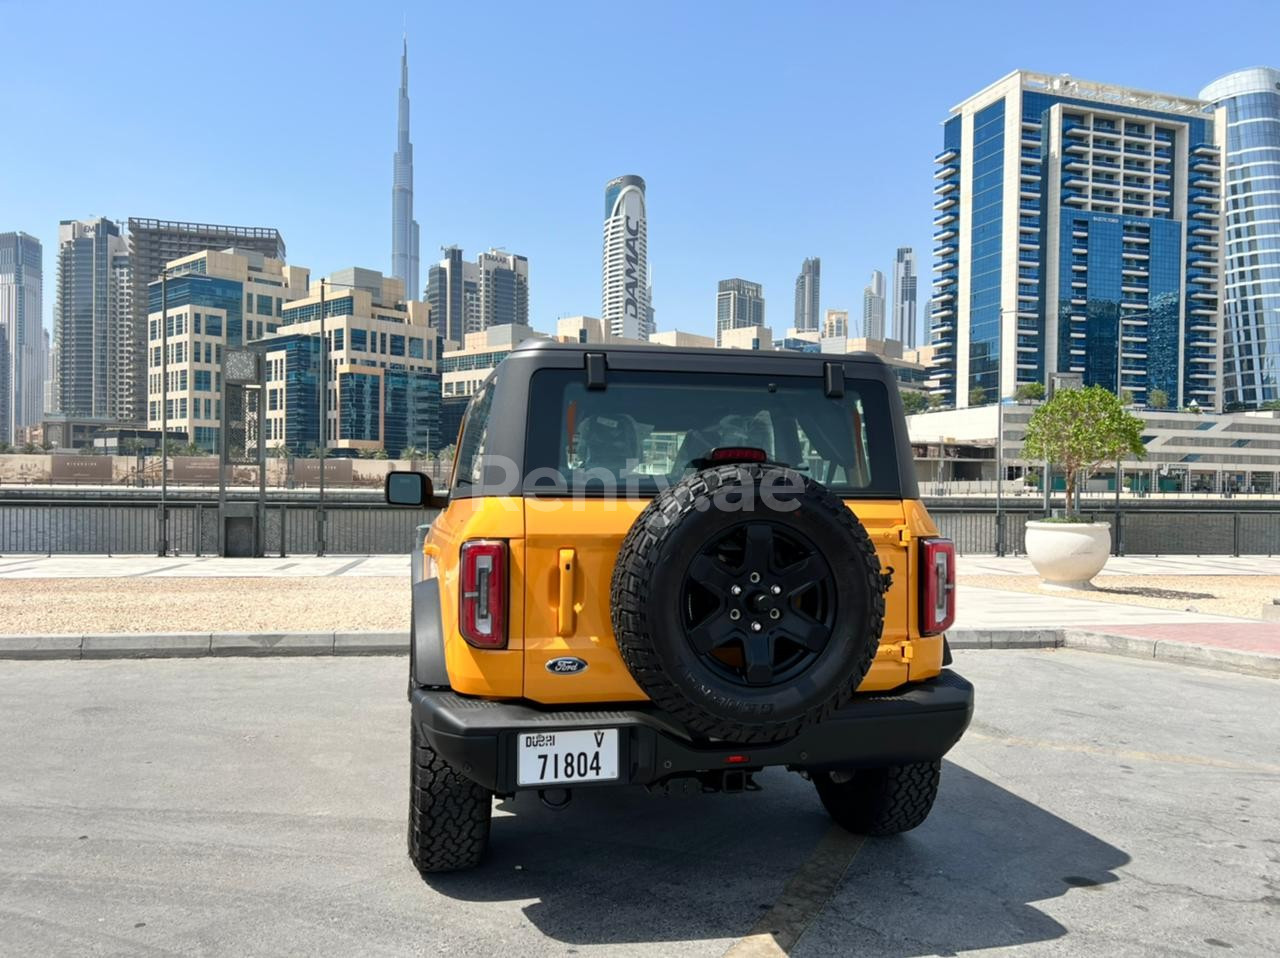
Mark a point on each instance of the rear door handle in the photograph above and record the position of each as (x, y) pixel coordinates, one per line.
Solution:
(566, 616)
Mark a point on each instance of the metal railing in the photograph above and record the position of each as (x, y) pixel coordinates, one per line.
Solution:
(1133, 532)
(114, 527)
(104, 526)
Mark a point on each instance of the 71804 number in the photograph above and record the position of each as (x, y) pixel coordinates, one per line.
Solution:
(568, 765)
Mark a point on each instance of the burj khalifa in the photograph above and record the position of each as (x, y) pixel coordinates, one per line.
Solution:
(404, 228)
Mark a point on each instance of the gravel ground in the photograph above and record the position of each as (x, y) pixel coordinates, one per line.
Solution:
(1241, 596)
(319, 604)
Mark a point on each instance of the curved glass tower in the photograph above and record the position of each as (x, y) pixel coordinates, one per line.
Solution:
(1251, 279)
(626, 289)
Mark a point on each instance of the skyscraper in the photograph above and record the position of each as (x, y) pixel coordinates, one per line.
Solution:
(873, 306)
(404, 228)
(739, 303)
(904, 297)
(152, 243)
(468, 297)
(21, 334)
(625, 271)
(1076, 226)
(504, 288)
(92, 321)
(1249, 140)
(808, 286)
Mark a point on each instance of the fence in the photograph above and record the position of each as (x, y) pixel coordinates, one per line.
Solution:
(122, 527)
(107, 527)
(1133, 532)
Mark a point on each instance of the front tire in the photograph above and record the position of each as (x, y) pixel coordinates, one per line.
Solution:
(880, 801)
(448, 813)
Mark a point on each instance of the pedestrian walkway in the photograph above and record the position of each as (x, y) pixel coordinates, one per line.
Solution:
(1133, 565)
(999, 609)
(193, 567)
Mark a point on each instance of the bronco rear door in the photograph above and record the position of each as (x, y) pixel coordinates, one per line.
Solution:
(596, 455)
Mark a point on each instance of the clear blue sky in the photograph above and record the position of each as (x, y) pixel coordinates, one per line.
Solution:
(765, 132)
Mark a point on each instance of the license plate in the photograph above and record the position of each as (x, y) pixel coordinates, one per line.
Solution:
(561, 758)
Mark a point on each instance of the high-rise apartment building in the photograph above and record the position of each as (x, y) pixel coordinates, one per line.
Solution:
(904, 297)
(384, 389)
(404, 228)
(152, 243)
(1248, 136)
(808, 290)
(873, 302)
(468, 297)
(1077, 229)
(504, 289)
(836, 324)
(93, 322)
(213, 300)
(21, 334)
(625, 271)
(739, 303)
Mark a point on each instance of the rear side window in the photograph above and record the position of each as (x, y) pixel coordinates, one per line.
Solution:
(647, 430)
(471, 446)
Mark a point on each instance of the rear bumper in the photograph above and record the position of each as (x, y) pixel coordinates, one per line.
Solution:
(916, 723)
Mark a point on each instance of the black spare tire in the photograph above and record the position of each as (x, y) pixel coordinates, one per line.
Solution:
(747, 602)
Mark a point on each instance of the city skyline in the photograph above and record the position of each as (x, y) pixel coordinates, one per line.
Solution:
(545, 202)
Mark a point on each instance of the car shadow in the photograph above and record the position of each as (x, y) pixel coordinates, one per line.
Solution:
(621, 866)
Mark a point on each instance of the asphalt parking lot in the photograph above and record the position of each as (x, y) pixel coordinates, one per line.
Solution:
(1099, 805)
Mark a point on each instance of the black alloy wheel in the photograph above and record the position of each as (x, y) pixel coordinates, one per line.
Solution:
(759, 604)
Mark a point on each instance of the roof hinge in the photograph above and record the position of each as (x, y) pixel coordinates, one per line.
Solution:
(595, 364)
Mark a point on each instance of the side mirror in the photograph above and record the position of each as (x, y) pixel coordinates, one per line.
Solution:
(404, 488)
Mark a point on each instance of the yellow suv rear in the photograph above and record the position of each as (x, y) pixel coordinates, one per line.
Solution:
(675, 568)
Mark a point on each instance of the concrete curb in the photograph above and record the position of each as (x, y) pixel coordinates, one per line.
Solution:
(201, 644)
(1184, 653)
(277, 644)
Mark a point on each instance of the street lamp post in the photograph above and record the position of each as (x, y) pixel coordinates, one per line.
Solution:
(324, 422)
(162, 546)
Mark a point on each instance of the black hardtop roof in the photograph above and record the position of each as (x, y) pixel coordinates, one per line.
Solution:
(735, 359)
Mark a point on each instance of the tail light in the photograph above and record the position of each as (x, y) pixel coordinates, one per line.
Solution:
(938, 594)
(482, 608)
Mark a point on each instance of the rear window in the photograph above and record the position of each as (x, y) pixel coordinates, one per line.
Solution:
(647, 430)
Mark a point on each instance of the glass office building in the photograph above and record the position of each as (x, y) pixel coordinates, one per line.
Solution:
(1076, 230)
(1250, 137)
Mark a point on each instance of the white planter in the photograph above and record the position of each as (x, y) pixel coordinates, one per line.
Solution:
(1068, 554)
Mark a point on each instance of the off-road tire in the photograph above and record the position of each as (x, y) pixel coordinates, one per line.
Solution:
(448, 813)
(881, 801)
(647, 639)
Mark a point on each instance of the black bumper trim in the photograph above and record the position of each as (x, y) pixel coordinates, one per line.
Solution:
(916, 723)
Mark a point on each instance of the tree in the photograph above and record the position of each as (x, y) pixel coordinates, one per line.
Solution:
(977, 396)
(1272, 404)
(1078, 429)
(914, 402)
(1157, 399)
(936, 401)
(5, 448)
(1029, 392)
(411, 453)
(30, 448)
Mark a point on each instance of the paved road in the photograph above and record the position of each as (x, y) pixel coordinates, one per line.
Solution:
(77, 566)
(1098, 806)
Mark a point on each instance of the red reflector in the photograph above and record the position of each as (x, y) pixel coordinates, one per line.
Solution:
(937, 585)
(737, 759)
(737, 454)
(482, 604)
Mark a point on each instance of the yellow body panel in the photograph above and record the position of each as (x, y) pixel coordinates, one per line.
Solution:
(562, 554)
(494, 673)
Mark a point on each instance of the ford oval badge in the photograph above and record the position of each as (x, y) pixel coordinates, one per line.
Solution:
(566, 665)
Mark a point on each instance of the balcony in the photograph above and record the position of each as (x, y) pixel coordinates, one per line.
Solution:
(1027, 241)
(1079, 267)
(1204, 166)
(945, 203)
(1204, 149)
(944, 188)
(1204, 311)
(946, 217)
(1204, 294)
(942, 282)
(946, 249)
(1077, 148)
(944, 234)
(951, 169)
(950, 153)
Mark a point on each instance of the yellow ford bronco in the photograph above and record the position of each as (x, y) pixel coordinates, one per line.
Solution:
(675, 568)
